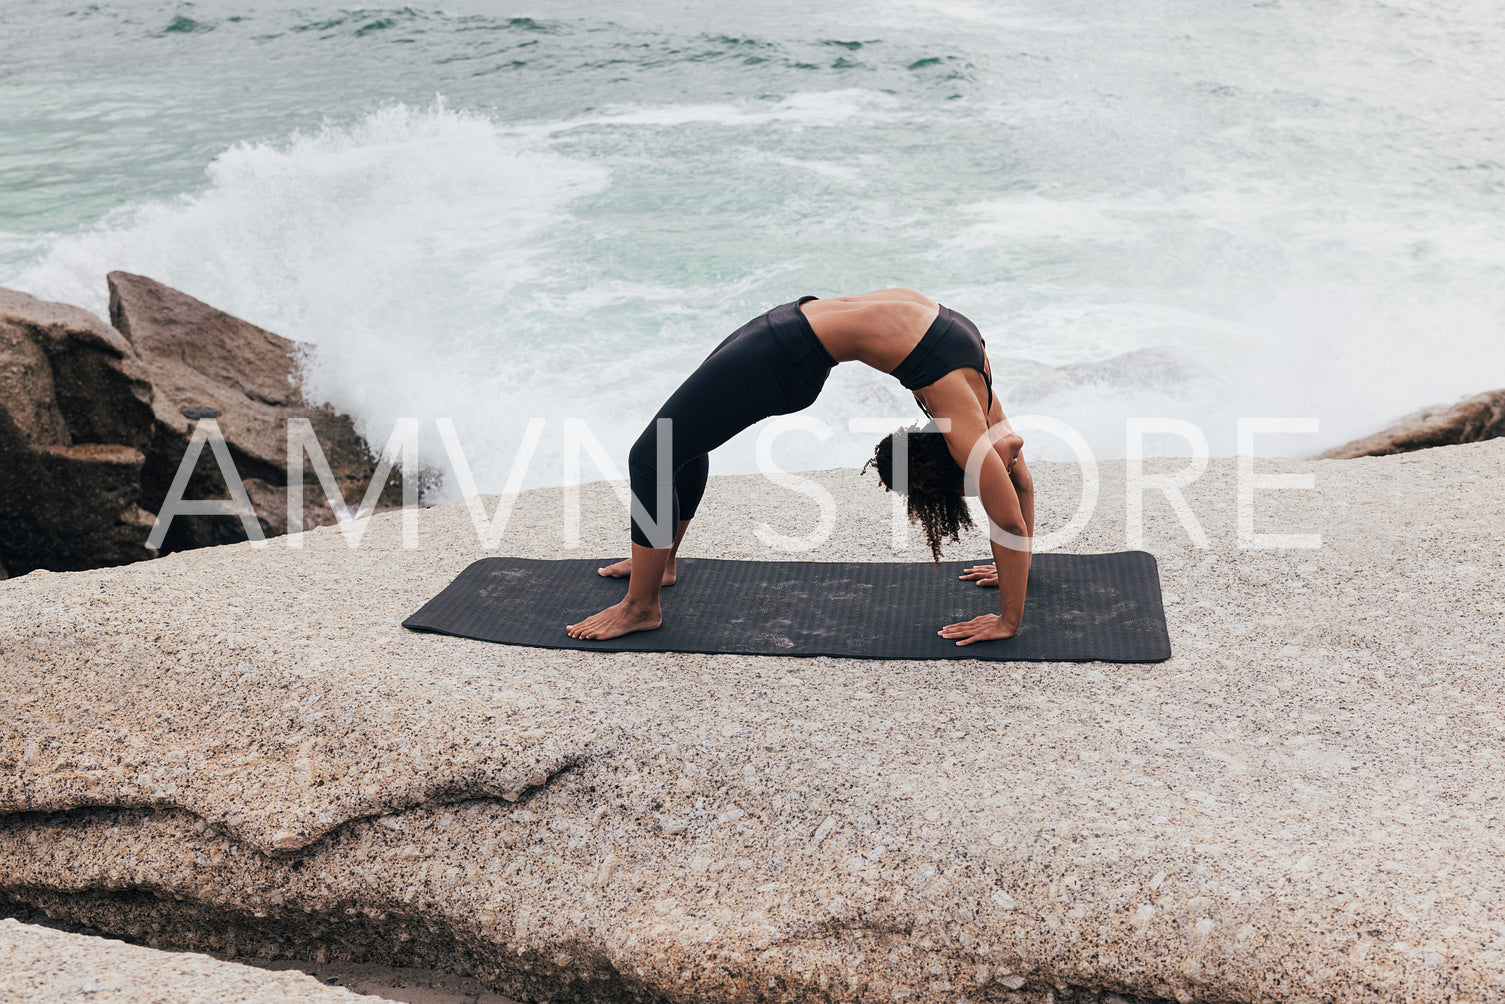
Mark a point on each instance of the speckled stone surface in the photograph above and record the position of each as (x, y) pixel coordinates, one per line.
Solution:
(40, 964)
(241, 746)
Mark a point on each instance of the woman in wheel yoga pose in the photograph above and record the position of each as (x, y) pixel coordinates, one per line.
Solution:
(776, 364)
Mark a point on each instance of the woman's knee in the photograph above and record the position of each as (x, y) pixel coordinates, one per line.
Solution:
(643, 458)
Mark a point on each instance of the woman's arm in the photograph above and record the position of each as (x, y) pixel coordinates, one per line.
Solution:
(1011, 449)
(1024, 487)
(1005, 507)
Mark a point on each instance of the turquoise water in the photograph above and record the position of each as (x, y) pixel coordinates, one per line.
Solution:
(556, 211)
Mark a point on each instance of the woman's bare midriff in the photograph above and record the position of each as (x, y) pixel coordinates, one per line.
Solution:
(878, 329)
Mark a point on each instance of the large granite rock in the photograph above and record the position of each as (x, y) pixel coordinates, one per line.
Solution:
(94, 425)
(1471, 420)
(75, 416)
(201, 360)
(242, 749)
(40, 964)
(100, 392)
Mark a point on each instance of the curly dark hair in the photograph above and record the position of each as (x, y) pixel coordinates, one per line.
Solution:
(935, 486)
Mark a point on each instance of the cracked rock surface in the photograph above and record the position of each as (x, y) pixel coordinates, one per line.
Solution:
(240, 748)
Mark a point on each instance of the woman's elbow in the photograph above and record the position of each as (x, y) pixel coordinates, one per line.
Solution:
(1008, 518)
(1014, 526)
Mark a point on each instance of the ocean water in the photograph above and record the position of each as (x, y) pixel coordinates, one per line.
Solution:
(1283, 208)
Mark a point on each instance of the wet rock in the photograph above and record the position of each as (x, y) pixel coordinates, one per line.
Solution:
(94, 426)
(75, 415)
(73, 507)
(1471, 420)
(100, 391)
(205, 363)
(194, 413)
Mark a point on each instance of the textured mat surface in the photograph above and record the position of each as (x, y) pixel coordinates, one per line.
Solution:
(1079, 607)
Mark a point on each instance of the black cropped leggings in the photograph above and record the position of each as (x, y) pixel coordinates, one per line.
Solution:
(772, 365)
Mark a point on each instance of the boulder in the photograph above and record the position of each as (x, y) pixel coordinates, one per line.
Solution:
(241, 749)
(1471, 420)
(74, 507)
(102, 393)
(205, 363)
(95, 421)
(75, 415)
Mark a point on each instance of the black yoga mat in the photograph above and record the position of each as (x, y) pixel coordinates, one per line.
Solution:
(1079, 608)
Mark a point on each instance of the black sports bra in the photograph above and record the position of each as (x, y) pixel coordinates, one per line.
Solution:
(950, 343)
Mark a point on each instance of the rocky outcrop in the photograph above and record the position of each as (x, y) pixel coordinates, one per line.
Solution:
(241, 749)
(204, 363)
(95, 421)
(40, 964)
(75, 420)
(1471, 420)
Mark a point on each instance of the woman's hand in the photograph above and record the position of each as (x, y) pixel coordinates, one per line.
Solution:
(983, 575)
(985, 627)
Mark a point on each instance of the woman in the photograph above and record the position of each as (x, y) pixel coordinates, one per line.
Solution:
(776, 364)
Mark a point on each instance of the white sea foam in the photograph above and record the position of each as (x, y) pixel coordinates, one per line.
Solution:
(397, 246)
(1307, 216)
(330, 230)
(817, 108)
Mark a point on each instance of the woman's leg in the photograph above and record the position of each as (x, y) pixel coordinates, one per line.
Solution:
(737, 385)
(623, 568)
(689, 487)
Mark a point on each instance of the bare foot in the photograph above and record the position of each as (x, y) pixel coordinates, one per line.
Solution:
(623, 569)
(615, 621)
